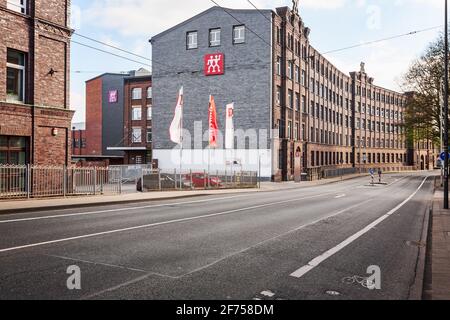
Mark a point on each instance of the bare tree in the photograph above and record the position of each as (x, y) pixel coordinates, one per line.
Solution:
(424, 83)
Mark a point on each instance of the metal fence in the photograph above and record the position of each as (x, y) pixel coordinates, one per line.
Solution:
(318, 173)
(155, 180)
(46, 181)
(18, 182)
(131, 175)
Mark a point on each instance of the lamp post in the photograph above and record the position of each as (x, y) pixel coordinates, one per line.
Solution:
(446, 142)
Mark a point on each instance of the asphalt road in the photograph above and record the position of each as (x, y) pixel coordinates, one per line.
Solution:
(287, 244)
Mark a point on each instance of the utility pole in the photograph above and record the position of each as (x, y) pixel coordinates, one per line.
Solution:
(446, 142)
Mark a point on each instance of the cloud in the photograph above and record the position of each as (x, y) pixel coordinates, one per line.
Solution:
(434, 3)
(385, 62)
(136, 17)
(322, 4)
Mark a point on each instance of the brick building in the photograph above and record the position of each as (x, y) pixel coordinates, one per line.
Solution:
(35, 120)
(118, 118)
(137, 141)
(323, 122)
(78, 139)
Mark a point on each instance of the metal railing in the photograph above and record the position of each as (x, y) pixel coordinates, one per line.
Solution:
(19, 182)
(159, 180)
(47, 181)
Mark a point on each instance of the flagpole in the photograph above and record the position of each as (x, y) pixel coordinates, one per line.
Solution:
(181, 141)
(209, 140)
(181, 150)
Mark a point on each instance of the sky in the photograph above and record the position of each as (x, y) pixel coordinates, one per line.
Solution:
(334, 24)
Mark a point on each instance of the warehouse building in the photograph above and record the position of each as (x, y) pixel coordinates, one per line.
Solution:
(311, 120)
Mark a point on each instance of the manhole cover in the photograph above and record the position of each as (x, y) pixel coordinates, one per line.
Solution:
(333, 293)
(415, 244)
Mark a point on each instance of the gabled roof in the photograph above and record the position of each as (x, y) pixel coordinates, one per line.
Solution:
(204, 13)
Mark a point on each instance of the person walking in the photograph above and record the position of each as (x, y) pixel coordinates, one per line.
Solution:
(380, 175)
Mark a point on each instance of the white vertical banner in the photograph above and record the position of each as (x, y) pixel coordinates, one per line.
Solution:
(229, 130)
(176, 128)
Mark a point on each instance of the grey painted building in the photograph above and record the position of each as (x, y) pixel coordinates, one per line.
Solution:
(113, 113)
(246, 80)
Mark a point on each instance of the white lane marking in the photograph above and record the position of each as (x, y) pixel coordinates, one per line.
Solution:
(132, 208)
(268, 294)
(320, 259)
(277, 237)
(340, 196)
(159, 224)
(116, 210)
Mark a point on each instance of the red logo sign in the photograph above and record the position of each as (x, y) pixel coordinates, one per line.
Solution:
(214, 64)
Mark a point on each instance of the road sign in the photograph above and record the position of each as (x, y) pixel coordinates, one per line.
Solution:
(442, 157)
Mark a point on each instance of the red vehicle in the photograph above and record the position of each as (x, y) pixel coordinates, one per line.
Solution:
(200, 180)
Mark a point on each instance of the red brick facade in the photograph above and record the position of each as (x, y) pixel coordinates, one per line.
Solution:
(326, 120)
(78, 142)
(94, 117)
(145, 124)
(42, 35)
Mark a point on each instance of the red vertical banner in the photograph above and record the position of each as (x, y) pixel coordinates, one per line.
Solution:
(213, 126)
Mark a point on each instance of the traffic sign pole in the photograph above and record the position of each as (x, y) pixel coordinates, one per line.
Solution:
(446, 124)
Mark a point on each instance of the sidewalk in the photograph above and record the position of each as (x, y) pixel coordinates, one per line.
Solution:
(16, 206)
(438, 284)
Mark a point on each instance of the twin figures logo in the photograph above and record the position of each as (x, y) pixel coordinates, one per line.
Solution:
(214, 64)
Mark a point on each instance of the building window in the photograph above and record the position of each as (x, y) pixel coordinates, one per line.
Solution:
(214, 37)
(15, 81)
(278, 95)
(76, 143)
(149, 135)
(137, 94)
(149, 93)
(191, 40)
(279, 66)
(289, 130)
(290, 73)
(149, 112)
(238, 34)
(13, 150)
(137, 135)
(290, 99)
(17, 5)
(136, 114)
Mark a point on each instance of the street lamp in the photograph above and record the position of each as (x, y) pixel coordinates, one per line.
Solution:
(446, 127)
